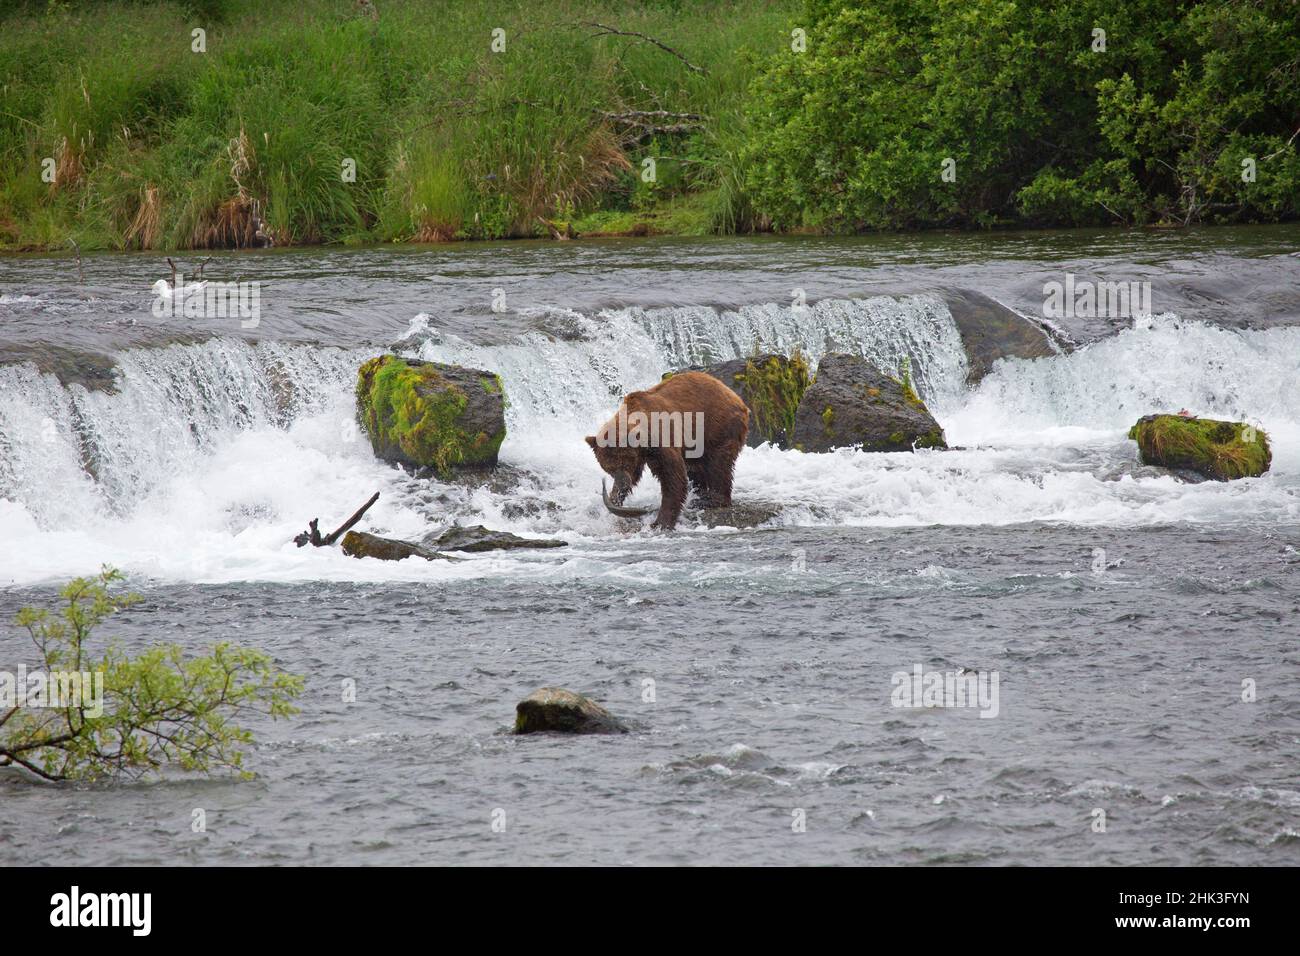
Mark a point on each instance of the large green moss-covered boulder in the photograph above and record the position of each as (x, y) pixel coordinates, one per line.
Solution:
(853, 403)
(428, 415)
(771, 386)
(1216, 449)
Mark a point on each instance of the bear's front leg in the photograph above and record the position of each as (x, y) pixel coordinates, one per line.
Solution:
(672, 481)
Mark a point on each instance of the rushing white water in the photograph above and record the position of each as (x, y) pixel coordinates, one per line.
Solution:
(210, 457)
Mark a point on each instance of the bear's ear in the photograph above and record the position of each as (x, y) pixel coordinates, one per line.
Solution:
(591, 440)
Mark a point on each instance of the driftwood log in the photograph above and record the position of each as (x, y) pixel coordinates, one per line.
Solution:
(313, 536)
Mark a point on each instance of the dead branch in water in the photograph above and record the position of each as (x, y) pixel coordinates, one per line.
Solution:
(614, 31)
(313, 536)
(81, 276)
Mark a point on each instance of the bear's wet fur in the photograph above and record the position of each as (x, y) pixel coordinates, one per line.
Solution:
(623, 453)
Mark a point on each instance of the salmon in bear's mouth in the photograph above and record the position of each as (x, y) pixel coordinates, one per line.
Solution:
(614, 505)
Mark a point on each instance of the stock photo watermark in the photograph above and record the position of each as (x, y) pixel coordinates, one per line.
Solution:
(53, 690)
(637, 429)
(961, 688)
(1086, 299)
(208, 299)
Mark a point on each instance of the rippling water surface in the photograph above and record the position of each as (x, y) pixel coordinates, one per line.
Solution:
(1121, 609)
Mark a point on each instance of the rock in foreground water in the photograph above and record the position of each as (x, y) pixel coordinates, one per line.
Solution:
(1210, 447)
(851, 402)
(562, 711)
(428, 415)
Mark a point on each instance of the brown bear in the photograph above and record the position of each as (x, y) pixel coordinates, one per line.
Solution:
(687, 429)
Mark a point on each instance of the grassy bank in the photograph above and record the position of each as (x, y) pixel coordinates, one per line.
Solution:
(314, 121)
(317, 121)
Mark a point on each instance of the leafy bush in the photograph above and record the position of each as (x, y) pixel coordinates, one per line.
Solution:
(160, 708)
(1035, 119)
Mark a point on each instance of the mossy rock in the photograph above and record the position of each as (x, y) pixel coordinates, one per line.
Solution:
(770, 385)
(558, 710)
(361, 544)
(478, 538)
(852, 403)
(1216, 449)
(428, 415)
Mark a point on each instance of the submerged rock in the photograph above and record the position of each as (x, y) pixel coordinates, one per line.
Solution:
(562, 711)
(747, 514)
(429, 415)
(478, 538)
(771, 386)
(851, 402)
(360, 544)
(93, 371)
(990, 331)
(1216, 449)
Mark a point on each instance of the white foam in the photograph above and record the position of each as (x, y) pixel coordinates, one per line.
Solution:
(213, 456)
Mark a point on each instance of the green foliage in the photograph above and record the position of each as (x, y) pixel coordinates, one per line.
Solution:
(773, 390)
(853, 133)
(158, 709)
(1217, 449)
(167, 148)
(160, 147)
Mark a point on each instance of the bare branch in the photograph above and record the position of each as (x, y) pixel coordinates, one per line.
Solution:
(605, 30)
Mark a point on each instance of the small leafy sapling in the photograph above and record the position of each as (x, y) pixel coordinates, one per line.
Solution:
(160, 709)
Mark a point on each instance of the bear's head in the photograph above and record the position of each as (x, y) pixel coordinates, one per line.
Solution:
(620, 462)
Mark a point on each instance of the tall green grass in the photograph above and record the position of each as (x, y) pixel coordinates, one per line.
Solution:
(156, 146)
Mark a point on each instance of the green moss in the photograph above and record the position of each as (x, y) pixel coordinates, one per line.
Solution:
(897, 438)
(490, 385)
(1217, 449)
(828, 417)
(772, 389)
(905, 383)
(682, 215)
(414, 408)
(931, 439)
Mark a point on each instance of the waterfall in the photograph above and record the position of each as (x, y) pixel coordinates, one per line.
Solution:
(209, 457)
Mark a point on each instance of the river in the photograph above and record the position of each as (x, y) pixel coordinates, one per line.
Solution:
(1122, 610)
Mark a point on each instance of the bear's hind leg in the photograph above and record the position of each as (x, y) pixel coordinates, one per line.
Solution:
(722, 467)
(671, 472)
(698, 476)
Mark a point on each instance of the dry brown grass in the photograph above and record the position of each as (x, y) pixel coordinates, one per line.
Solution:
(145, 229)
(69, 166)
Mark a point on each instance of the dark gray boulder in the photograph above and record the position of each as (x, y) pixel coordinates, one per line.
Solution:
(361, 544)
(852, 403)
(478, 538)
(562, 711)
(990, 331)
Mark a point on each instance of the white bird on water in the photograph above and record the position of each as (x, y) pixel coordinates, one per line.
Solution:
(165, 289)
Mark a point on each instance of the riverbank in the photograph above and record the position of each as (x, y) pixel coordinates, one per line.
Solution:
(312, 122)
(213, 124)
